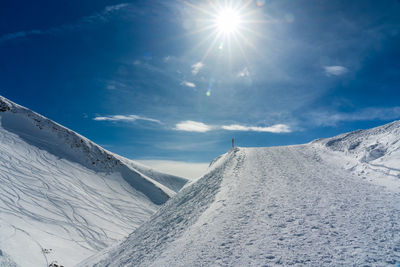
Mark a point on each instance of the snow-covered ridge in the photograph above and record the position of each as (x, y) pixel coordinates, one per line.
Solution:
(372, 151)
(297, 205)
(65, 143)
(170, 220)
(64, 198)
(80, 149)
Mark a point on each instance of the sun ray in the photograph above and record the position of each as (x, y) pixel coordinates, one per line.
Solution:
(210, 47)
(203, 10)
(241, 49)
(204, 29)
(253, 32)
(247, 42)
(205, 40)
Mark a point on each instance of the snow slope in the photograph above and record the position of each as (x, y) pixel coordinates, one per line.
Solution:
(280, 206)
(372, 154)
(62, 197)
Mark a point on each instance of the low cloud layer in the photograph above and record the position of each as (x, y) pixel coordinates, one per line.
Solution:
(187, 170)
(194, 126)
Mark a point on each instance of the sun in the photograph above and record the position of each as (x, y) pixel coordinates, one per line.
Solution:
(227, 20)
(224, 28)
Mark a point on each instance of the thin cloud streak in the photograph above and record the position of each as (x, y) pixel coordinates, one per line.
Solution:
(92, 19)
(335, 70)
(188, 84)
(129, 118)
(193, 126)
(277, 128)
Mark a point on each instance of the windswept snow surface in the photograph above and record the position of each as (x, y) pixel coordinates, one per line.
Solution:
(373, 154)
(279, 206)
(62, 197)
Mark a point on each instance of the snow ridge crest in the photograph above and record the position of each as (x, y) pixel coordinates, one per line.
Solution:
(29, 122)
(48, 135)
(375, 150)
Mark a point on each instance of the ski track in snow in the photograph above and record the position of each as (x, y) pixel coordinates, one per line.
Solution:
(63, 197)
(55, 204)
(280, 206)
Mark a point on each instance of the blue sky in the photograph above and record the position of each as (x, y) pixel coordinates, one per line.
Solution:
(152, 80)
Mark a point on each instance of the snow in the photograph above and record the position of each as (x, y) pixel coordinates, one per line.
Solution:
(333, 202)
(373, 154)
(64, 198)
(5, 260)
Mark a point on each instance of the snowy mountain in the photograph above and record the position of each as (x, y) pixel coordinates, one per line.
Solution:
(62, 197)
(317, 204)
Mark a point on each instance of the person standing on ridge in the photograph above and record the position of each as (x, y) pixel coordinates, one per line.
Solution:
(233, 143)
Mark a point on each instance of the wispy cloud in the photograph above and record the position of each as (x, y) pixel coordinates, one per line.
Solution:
(243, 73)
(129, 118)
(335, 70)
(188, 84)
(112, 8)
(20, 34)
(277, 128)
(197, 67)
(101, 16)
(194, 126)
(367, 114)
(115, 85)
(168, 58)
